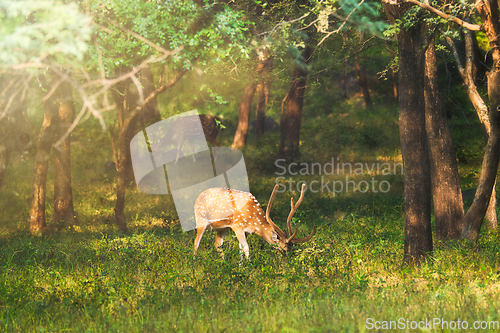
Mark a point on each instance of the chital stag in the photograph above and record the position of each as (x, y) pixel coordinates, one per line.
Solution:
(222, 209)
(185, 128)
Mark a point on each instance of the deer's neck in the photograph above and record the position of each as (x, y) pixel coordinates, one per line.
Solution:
(262, 228)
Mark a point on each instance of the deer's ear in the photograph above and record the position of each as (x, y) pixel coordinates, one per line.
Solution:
(274, 237)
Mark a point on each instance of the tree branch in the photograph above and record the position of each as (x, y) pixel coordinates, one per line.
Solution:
(155, 93)
(472, 27)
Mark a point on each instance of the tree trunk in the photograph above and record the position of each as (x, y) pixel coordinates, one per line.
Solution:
(63, 196)
(126, 121)
(240, 137)
(126, 101)
(291, 119)
(394, 84)
(484, 203)
(447, 195)
(414, 148)
(42, 156)
(151, 112)
(363, 83)
(121, 178)
(474, 218)
(491, 212)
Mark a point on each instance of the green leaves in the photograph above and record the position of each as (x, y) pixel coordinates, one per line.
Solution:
(34, 30)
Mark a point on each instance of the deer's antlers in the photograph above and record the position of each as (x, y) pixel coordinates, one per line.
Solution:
(281, 233)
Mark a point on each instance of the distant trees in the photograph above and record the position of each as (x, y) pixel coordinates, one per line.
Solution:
(291, 107)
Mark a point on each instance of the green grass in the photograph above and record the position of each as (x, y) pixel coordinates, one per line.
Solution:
(147, 279)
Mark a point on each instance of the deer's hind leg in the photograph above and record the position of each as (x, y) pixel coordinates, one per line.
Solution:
(219, 240)
(200, 230)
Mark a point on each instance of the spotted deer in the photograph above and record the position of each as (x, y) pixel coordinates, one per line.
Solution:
(221, 209)
(185, 128)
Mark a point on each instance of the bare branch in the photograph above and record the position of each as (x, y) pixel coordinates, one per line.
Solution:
(472, 27)
(155, 93)
(453, 48)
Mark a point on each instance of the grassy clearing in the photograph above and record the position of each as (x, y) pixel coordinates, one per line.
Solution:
(92, 278)
(87, 280)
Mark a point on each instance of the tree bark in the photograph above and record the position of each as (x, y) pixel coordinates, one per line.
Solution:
(151, 112)
(414, 148)
(474, 218)
(467, 72)
(240, 138)
(394, 84)
(447, 195)
(42, 156)
(291, 119)
(63, 195)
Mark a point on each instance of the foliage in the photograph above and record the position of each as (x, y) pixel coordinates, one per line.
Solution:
(364, 15)
(168, 25)
(33, 30)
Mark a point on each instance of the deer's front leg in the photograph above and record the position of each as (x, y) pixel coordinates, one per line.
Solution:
(240, 234)
(219, 240)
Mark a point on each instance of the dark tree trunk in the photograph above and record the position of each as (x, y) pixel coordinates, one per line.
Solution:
(447, 195)
(240, 138)
(42, 157)
(363, 83)
(126, 101)
(414, 148)
(151, 112)
(63, 195)
(291, 118)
